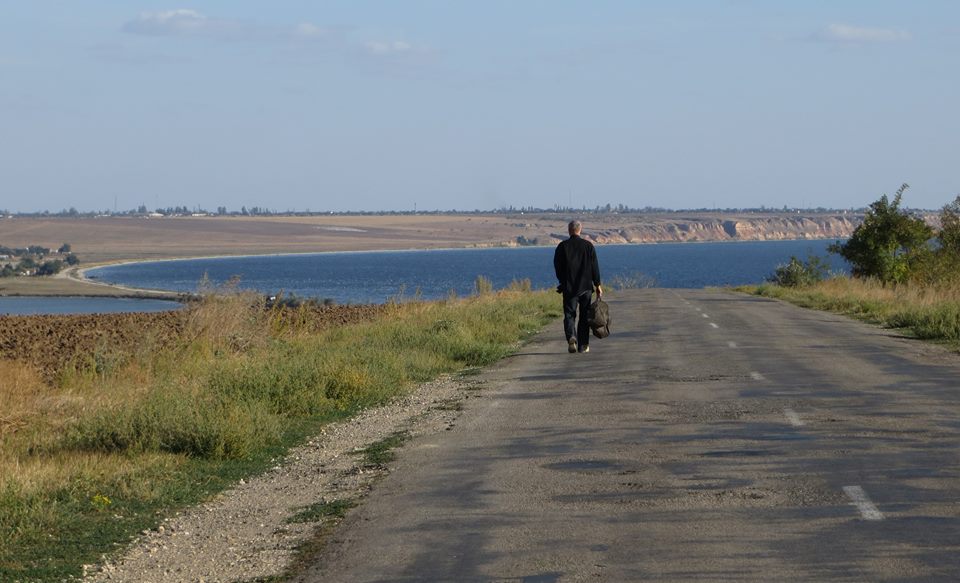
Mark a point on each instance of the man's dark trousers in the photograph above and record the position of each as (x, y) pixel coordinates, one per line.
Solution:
(580, 330)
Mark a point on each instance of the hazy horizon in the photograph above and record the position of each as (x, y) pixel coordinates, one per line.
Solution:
(599, 210)
(385, 106)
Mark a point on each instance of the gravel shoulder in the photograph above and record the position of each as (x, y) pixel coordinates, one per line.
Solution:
(246, 533)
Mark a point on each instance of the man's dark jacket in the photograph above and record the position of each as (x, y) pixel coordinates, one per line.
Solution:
(575, 262)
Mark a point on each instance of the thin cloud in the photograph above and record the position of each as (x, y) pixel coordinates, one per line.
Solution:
(384, 48)
(845, 33)
(309, 30)
(180, 22)
(191, 23)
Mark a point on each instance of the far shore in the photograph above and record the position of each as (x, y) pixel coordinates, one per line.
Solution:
(73, 282)
(77, 287)
(114, 241)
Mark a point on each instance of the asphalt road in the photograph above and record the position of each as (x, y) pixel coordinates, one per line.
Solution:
(712, 437)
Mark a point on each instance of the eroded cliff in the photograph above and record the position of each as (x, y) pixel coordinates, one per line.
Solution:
(661, 228)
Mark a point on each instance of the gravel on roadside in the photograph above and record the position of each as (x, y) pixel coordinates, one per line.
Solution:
(245, 533)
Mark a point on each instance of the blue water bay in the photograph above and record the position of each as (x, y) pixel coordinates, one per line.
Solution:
(27, 306)
(364, 277)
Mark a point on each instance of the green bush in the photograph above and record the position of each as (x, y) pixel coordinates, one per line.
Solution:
(888, 244)
(796, 273)
(949, 235)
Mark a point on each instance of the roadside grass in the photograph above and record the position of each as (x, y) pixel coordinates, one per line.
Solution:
(89, 462)
(320, 511)
(927, 311)
(380, 453)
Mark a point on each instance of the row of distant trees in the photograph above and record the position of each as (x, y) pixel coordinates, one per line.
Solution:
(184, 211)
(35, 260)
(143, 211)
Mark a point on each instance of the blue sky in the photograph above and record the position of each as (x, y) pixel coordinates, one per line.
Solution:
(367, 105)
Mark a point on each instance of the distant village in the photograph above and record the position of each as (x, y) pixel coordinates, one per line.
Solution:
(620, 209)
(35, 261)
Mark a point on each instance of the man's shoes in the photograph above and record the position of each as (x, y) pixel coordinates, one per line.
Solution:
(572, 345)
(584, 349)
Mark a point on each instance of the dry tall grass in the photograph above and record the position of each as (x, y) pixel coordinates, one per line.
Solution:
(930, 311)
(25, 397)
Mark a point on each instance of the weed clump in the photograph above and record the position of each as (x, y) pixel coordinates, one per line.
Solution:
(797, 273)
(483, 285)
(381, 452)
(322, 511)
(631, 280)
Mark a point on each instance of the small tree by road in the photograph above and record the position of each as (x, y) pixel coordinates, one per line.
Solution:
(888, 243)
(949, 235)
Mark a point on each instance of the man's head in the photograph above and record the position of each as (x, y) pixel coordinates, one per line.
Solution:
(574, 228)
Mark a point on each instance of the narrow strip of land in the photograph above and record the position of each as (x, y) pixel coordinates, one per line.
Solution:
(780, 444)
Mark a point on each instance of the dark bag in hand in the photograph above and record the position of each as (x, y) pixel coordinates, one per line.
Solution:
(599, 318)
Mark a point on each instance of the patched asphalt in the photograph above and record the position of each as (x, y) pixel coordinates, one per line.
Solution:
(713, 437)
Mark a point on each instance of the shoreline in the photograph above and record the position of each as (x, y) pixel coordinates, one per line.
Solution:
(71, 283)
(78, 275)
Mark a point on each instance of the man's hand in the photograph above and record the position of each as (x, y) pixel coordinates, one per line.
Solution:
(599, 292)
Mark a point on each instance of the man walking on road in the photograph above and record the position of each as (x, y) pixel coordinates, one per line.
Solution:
(578, 272)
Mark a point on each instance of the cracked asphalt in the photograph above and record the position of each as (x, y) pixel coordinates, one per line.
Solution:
(712, 437)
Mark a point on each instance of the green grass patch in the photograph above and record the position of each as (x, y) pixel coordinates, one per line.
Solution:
(322, 510)
(101, 457)
(450, 405)
(380, 453)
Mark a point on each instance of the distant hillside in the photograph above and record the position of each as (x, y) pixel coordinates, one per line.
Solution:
(119, 238)
(675, 227)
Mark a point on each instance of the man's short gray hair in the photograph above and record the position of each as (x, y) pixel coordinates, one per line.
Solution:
(574, 227)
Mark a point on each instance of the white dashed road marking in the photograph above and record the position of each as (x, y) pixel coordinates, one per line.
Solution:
(731, 344)
(705, 316)
(793, 418)
(860, 499)
(757, 376)
(714, 325)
